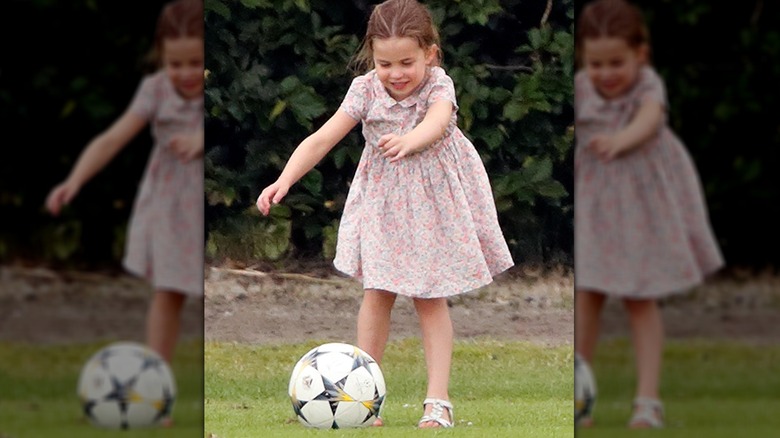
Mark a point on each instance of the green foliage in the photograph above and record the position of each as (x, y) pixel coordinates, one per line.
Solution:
(70, 69)
(276, 74)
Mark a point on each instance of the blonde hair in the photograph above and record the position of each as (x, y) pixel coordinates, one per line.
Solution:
(396, 18)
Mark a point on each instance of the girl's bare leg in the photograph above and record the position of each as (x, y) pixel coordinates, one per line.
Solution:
(437, 336)
(648, 337)
(163, 321)
(587, 322)
(373, 325)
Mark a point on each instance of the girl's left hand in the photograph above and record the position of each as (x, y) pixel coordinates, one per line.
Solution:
(605, 147)
(186, 146)
(395, 147)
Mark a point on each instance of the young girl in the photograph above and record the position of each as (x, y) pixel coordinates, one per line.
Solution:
(419, 219)
(641, 225)
(165, 236)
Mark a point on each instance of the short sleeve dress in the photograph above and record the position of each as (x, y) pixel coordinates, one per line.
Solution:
(641, 223)
(165, 238)
(425, 226)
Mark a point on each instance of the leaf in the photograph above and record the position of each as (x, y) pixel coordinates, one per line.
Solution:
(312, 181)
(329, 238)
(277, 110)
(515, 110)
(538, 169)
(217, 7)
(552, 189)
(340, 157)
(253, 4)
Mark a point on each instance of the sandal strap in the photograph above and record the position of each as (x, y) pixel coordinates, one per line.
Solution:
(436, 412)
(648, 411)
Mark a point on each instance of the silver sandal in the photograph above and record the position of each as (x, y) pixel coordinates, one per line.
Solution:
(648, 414)
(436, 412)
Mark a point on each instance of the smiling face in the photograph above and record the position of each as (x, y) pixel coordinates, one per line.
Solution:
(612, 65)
(183, 62)
(401, 64)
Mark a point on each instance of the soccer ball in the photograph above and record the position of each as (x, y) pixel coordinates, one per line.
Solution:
(126, 385)
(584, 389)
(337, 386)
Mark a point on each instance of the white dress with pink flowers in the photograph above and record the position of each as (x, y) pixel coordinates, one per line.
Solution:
(425, 226)
(165, 239)
(641, 224)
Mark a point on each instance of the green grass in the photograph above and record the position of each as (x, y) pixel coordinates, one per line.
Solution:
(499, 389)
(38, 393)
(710, 389)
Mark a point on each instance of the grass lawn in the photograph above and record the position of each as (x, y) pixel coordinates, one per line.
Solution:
(499, 389)
(38, 393)
(710, 389)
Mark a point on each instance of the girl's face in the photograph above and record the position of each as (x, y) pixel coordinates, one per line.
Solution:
(612, 65)
(183, 62)
(400, 64)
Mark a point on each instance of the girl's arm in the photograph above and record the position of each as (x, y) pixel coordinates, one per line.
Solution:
(95, 156)
(423, 135)
(642, 128)
(305, 157)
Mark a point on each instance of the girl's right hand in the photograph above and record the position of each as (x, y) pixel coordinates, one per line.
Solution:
(60, 196)
(271, 194)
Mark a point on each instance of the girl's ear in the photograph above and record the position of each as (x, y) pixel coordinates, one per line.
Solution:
(431, 54)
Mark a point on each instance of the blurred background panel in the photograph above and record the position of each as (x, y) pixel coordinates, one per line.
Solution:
(67, 71)
(721, 68)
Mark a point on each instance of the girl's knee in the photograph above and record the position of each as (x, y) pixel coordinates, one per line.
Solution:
(431, 305)
(379, 297)
(640, 305)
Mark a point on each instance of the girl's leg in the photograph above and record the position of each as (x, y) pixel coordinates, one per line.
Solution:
(648, 334)
(437, 336)
(373, 324)
(163, 320)
(587, 322)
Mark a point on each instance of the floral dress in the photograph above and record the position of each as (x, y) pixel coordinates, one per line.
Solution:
(165, 239)
(425, 226)
(641, 223)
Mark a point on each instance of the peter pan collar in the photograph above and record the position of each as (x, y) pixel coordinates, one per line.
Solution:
(388, 101)
(177, 100)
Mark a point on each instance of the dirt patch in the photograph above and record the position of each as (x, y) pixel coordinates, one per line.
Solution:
(735, 305)
(265, 306)
(250, 306)
(43, 306)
